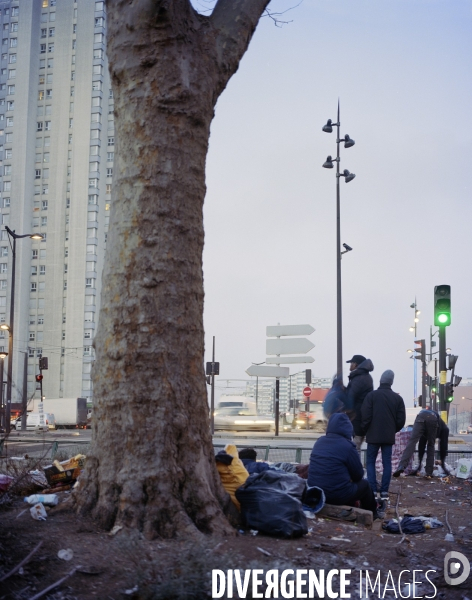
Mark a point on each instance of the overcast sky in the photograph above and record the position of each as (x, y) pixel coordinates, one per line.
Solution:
(401, 69)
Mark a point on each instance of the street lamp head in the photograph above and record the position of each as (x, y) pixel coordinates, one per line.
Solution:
(412, 329)
(328, 128)
(5, 327)
(348, 142)
(36, 236)
(410, 351)
(328, 164)
(3, 355)
(417, 320)
(348, 176)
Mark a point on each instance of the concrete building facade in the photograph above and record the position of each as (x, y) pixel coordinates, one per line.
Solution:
(56, 164)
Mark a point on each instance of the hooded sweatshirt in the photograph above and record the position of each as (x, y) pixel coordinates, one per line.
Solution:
(360, 384)
(335, 465)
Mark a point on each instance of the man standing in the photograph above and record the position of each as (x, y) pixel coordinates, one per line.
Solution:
(360, 384)
(383, 414)
(426, 424)
(443, 435)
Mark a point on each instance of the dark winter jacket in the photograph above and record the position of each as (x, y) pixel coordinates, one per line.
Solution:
(252, 466)
(383, 414)
(360, 384)
(334, 462)
(442, 434)
(336, 398)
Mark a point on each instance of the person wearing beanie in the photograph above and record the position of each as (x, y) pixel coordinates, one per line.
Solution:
(383, 414)
(360, 384)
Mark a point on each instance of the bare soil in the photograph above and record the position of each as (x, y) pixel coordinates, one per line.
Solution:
(125, 565)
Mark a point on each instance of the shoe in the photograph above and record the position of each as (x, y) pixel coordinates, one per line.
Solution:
(398, 472)
(428, 476)
(381, 509)
(384, 497)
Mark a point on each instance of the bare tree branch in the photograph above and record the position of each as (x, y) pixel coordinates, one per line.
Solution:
(235, 22)
(275, 15)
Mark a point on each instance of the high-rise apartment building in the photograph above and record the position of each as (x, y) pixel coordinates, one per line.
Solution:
(56, 166)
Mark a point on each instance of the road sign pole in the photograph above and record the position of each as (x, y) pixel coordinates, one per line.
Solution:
(277, 389)
(212, 400)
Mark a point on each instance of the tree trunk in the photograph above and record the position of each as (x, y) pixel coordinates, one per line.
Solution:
(151, 463)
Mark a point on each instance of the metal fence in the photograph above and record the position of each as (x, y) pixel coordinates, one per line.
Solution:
(295, 454)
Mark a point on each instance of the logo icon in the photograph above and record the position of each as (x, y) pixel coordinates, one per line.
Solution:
(453, 561)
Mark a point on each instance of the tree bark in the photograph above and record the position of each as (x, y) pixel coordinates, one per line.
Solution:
(151, 463)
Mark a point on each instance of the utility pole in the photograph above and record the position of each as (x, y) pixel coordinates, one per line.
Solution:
(212, 369)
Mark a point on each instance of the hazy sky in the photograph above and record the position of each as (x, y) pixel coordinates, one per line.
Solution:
(401, 69)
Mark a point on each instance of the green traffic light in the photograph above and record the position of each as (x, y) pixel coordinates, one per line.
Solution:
(450, 399)
(443, 318)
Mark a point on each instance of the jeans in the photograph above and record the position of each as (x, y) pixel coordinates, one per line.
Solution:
(424, 426)
(364, 495)
(358, 439)
(372, 451)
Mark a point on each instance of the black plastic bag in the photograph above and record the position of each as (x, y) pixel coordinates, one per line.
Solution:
(271, 503)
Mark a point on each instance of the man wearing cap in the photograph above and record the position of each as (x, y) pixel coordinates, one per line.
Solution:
(383, 415)
(360, 384)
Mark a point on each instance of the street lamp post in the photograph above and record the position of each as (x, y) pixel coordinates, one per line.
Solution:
(13, 236)
(348, 143)
(413, 330)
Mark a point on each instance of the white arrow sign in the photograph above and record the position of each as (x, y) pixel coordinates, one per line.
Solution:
(282, 330)
(289, 346)
(289, 360)
(262, 371)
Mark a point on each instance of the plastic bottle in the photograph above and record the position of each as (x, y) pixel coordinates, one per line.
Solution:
(46, 499)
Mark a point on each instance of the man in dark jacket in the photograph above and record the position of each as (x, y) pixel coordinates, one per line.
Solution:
(360, 384)
(443, 436)
(336, 468)
(383, 414)
(426, 424)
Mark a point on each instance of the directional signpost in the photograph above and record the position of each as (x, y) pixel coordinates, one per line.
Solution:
(290, 345)
(262, 371)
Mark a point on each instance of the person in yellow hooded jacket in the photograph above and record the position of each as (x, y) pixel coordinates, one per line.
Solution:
(232, 471)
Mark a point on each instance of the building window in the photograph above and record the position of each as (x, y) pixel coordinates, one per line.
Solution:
(11, 73)
(42, 63)
(50, 63)
(44, 221)
(98, 6)
(93, 199)
(110, 172)
(42, 48)
(47, 125)
(39, 126)
(48, 94)
(52, 31)
(40, 320)
(11, 105)
(44, 32)
(99, 21)
(88, 334)
(50, 47)
(11, 89)
(13, 42)
(34, 254)
(31, 333)
(108, 188)
(110, 156)
(93, 183)
(14, 27)
(4, 251)
(74, 28)
(96, 86)
(12, 58)
(37, 174)
(65, 284)
(3, 267)
(111, 141)
(41, 95)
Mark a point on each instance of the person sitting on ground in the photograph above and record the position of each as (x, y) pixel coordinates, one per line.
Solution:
(426, 424)
(335, 467)
(248, 457)
(231, 470)
(443, 435)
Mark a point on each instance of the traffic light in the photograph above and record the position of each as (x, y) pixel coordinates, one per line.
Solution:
(216, 368)
(43, 363)
(308, 376)
(39, 378)
(452, 361)
(208, 379)
(421, 350)
(442, 305)
(449, 392)
(420, 400)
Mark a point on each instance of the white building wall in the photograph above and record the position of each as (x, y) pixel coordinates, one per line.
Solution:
(58, 132)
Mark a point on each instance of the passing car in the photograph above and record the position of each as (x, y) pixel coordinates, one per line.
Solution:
(463, 432)
(241, 415)
(33, 420)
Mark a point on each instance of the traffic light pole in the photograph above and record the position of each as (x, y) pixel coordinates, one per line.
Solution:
(442, 371)
(277, 406)
(212, 401)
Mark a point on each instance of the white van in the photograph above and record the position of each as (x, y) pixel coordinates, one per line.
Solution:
(32, 421)
(239, 413)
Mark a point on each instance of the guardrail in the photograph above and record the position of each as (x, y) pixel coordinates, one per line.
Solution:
(302, 455)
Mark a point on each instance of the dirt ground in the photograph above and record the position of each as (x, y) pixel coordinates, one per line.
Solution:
(126, 566)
